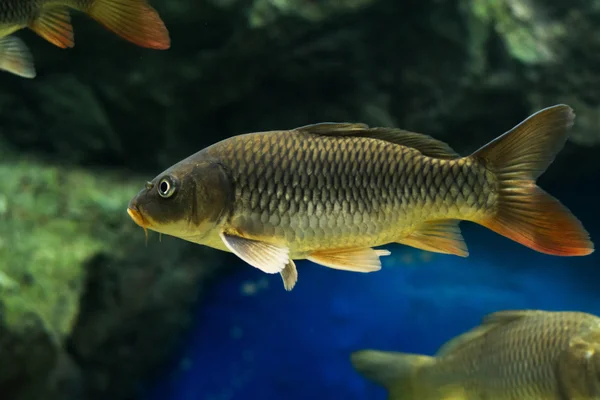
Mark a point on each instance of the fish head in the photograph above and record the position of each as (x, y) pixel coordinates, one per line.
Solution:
(187, 200)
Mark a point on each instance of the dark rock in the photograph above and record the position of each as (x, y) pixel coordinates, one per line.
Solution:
(461, 71)
(133, 313)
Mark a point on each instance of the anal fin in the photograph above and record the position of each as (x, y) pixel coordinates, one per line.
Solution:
(54, 25)
(441, 236)
(289, 275)
(363, 259)
(267, 257)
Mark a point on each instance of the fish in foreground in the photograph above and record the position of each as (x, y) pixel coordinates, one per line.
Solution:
(331, 192)
(133, 20)
(16, 58)
(517, 354)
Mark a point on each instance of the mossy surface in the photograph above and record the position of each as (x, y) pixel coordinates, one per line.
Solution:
(54, 219)
(529, 36)
(76, 271)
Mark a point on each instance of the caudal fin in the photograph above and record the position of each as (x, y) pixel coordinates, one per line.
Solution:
(393, 371)
(524, 212)
(16, 58)
(133, 20)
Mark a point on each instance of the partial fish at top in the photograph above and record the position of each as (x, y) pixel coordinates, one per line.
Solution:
(133, 20)
(331, 192)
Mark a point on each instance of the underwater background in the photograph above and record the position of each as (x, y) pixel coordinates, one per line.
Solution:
(88, 310)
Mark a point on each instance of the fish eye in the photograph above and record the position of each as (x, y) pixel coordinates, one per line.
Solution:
(165, 187)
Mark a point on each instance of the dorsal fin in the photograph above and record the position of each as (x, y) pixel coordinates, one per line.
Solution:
(489, 322)
(334, 128)
(427, 145)
(507, 316)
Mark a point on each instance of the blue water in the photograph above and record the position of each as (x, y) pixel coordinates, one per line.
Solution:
(253, 340)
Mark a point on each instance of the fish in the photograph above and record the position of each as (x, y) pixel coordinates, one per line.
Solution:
(512, 354)
(16, 58)
(133, 20)
(332, 192)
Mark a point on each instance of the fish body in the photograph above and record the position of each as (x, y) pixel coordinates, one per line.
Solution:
(331, 192)
(283, 190)
(133, 20)
(517, 354)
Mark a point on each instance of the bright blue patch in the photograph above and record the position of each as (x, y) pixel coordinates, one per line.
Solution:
(295, 346)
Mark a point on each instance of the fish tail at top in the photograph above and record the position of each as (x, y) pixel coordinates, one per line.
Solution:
(524, 212)
(133, 20)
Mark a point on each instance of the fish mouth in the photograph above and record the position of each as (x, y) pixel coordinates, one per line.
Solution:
(137, 217)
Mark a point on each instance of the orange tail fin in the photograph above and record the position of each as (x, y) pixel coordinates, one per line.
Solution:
(16, 58)
(133, 20)
(525, 213)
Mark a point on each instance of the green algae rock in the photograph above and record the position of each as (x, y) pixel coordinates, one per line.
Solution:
(265, 12)
(75, 270)
(529, 35)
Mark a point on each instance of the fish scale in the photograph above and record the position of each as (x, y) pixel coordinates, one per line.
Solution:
(17, 10)
(517, 360)
(371, 176)
(16, 14)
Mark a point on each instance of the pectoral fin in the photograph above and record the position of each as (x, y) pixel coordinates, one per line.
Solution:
(16, 58)
(289, 275)
(357, 260)
(267, 257)
(442, 236)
